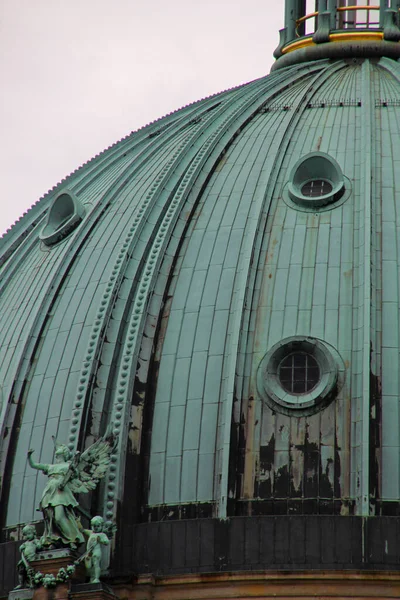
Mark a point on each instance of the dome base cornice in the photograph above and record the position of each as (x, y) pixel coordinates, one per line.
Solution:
(341, 47)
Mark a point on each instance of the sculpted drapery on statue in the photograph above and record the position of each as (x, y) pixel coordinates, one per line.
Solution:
(71, 474)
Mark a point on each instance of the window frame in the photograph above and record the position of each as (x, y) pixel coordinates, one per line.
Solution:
(331, 376)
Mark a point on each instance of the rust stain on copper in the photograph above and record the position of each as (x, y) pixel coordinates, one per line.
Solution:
(249, 451)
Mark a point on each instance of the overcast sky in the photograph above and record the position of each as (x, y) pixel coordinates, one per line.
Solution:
(77, 75)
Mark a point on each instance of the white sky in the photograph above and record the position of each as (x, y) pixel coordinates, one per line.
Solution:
(77, 75)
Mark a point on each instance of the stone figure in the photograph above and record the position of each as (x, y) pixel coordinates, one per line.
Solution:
(28, 553)
(71, 474)
(96, 539)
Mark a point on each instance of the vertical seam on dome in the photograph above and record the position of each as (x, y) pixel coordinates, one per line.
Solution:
(130, 349)
(366, 144)
(108, 297)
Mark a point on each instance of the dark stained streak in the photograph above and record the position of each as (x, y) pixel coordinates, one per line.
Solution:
(241, 453)
(234, 459)
(282, 482)
(375, 438)
(320, 481)
(337, 491)
(263, 489)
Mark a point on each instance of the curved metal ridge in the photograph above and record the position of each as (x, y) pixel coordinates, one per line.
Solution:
(131, 348)
(243, 300)
(62, 258)
(144, 132)
(151, 321)
(23, 362)
(60, 253)
(106, 304)
(365, 275)
(82, 177)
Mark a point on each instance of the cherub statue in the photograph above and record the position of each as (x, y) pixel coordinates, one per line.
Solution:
(28, 553)
(71, 474)
(96, 539)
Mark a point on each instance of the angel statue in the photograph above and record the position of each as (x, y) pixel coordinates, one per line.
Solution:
(71, 474)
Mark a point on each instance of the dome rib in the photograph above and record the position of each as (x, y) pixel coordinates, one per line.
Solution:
(288, 117)
(364, 266)
(219, 127)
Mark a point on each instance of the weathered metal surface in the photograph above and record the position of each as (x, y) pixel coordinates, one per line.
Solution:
(207, 273)
(156, 312)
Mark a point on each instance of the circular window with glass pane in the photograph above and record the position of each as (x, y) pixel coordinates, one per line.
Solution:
(300, 375)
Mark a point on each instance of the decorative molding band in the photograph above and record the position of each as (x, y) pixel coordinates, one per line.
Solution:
(354, 36)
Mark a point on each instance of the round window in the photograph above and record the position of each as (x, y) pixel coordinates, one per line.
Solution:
(300, 375)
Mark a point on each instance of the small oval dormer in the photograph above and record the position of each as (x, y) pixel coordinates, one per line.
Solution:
(65, 214)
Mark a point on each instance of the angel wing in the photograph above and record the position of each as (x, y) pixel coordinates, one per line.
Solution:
(88, 468)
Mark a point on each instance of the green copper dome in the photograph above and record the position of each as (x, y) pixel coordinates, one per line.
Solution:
(222, 288)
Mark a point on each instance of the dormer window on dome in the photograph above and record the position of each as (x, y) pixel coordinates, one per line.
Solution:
(65, 214)
(316, 181)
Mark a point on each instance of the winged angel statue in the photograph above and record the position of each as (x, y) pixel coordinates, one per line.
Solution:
(71, 474)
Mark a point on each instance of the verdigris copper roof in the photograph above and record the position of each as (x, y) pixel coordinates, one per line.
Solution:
(180, 262)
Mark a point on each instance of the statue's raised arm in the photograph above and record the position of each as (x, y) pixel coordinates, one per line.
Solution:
(35, 465)
(71, 474)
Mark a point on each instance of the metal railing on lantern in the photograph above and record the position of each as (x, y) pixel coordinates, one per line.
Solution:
(340, 21)
(347, 19)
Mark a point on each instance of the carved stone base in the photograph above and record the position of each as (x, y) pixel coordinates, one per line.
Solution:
(50, 561)
(92, 591)
(21, 594)
(61, 592)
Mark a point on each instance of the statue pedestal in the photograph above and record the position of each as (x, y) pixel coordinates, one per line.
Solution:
(60, 592)
(92, 591)
(21, 594)
(49, 562)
